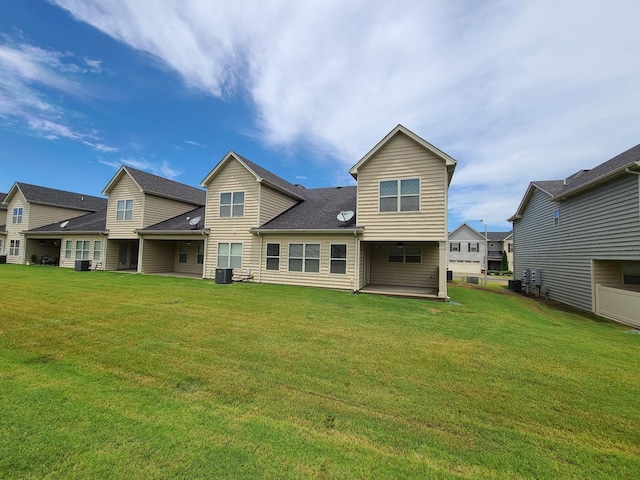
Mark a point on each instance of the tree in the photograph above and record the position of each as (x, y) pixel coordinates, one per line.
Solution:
(504, 266)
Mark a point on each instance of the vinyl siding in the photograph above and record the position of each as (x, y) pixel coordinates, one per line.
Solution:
(273, 203)
(603, 223)
(323, 278)
(607, 273)
(158, 256)
(125, 189)
(71, 262)
(192, 265)
(158, 209)
(232, 178)
(3, 217)
(464, 236)
(40, 215)
(111, 255)
(424, 274)
(403, 158)
(13, 230)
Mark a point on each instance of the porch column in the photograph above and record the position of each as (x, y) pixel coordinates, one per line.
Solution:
(442, 270)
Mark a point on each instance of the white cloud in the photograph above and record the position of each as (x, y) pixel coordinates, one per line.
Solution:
(516, 91)
(158, 168)
(191, 142)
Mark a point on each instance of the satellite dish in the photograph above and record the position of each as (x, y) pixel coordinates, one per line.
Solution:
(194, 221)
(64, 224)
(345, 216)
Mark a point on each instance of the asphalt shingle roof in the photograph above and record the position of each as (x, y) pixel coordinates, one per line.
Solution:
(164, 187)
(497, 236)
(318, 211)
(181, 222)
(2, 197)
(274, 179)
(61, 198)
(583, 177)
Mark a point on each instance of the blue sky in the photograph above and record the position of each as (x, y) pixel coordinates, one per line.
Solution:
(515, 91)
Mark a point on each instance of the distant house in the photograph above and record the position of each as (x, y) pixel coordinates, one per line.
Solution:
(581, 237)
(497, 243)
(467, 250)
(30, 207)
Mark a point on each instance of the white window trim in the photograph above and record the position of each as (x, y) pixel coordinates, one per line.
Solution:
(98, 251)
(399, 195)
(68, 249)
(17, 215)
(124, 210)
(304, 257)
(232, 204)
(14, 248)
(185, 253)
(338, 259)
(267, 257)
(404, 254)
(228, 257)
(451, 244)
(83, 253)
(556, 217)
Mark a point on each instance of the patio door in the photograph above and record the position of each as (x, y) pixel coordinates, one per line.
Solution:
(128, 255)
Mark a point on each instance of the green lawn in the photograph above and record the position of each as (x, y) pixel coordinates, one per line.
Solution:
(107, 375)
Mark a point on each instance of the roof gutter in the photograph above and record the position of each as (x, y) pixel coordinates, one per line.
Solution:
(27, 233)
(173, 232)
(355, 231)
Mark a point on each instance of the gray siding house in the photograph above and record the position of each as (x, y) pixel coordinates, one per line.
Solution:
(581, 236)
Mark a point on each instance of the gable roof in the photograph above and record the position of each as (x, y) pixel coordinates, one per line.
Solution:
(159, 186)
(463, 225)
(56, 198)
(262, 176)
(498, 236)
(450, 162)
(179, 223)
(92, 222)
(583, 180)
(318, 212)
(2, 197)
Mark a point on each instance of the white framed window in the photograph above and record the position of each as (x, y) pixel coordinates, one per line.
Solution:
(200, 258)
(404, 254)
(454, 247)
(400, 195)
(14, 247)
(97, 250)
(338, 258)
(631, 273)
(304, 257)
(474, 247)
(231, 204)
(124, 210)
(273, 256)
(17, 215)
(556, 216)
(68, 247)
(229, 255)
(82, 250)
(183, 253)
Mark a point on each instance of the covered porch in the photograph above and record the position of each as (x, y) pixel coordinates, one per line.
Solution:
(42, 250)
(403, 268)
(616, 290)
(176, 255)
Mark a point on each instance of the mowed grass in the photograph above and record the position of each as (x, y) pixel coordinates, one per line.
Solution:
(108, 375)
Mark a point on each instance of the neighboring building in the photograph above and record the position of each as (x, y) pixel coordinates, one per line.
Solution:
(583, 234)
(497, 243)
(466, 251)
(32, 206)
(394, 239)
(3, 222)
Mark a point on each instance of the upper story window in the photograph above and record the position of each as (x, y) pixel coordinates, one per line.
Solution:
(556, 216)
(454, 246)
(510, 247)
(474, 247)
(17, 215)
(232, 204)
(400, 195)
(124, 210)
